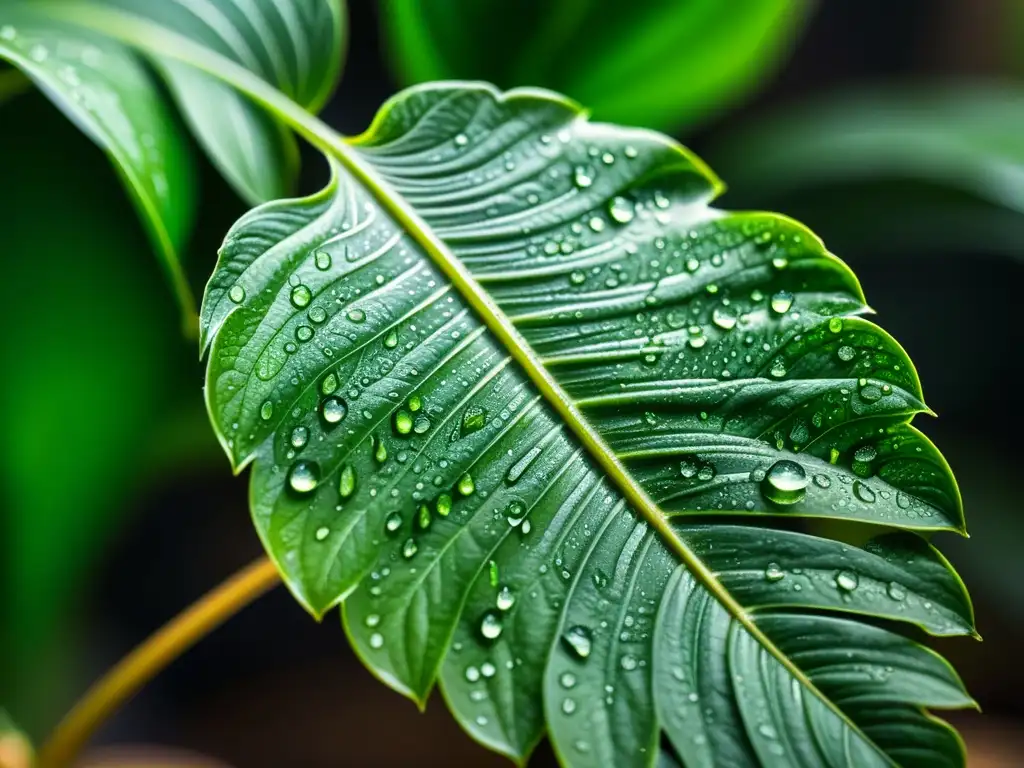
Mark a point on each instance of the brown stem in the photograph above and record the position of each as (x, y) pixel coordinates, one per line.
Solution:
(160, 649)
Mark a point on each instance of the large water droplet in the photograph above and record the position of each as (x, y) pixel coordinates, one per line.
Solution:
(863, 492)
(266, 410)
(781, 302)
(490, 625)
(322, 260)
(774, 573)
(579, 640)
(347, 481)
(466, 485)
(847, 581)
(784, 483)
(304, 476)
(621, 210)
(299, 437)
(895, 591)
(444, 504)
(583, 177)
(237, 294)
(393, 522)
(301, 296)
(403, 422)
(505, 599)
(333, 409)
(473, 419)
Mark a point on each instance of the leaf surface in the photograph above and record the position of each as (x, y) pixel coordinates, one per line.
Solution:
(662, 65)
(531, 410)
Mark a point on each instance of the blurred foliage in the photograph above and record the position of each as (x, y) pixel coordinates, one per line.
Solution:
(96, 359)
(665, 64)
(961, 146)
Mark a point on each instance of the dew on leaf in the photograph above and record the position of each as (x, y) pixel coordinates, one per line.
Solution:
(304, 476)
(490, 625)
(579, 641)
(784, 483)
(301, 296)
(333, 409)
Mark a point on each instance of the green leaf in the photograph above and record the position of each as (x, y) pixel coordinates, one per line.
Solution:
(663, 65)
(104, 89)
(295, 45)
(963, 138)
(532, 411)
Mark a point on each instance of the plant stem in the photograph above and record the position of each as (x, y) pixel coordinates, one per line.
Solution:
(160, 649)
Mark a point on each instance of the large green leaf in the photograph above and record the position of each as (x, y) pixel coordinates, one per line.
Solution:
(543, 422)
(964, 138)
(661, 64)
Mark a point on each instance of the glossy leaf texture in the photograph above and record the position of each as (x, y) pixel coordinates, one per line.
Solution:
(665, 65)
(104, 89)
(545, 423)
(958, 144)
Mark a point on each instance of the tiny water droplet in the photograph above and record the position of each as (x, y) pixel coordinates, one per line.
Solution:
(774, 573)
(473, 419)
(299, 437)
(322, 260)
(410, 548)
(505, 599)
(267, 410)
(393, 522)
(621, 210)
(472, 674)
(895, 591)
(322, 533)
(568, 706)
(628, 662)
(583, 177)
(376, 640)
(356, 315)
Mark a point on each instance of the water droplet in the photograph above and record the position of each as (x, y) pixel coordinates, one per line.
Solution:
(576, 277)
(865, 453)
(380, 451)
(895, 591)
(472, 674)
(372, 620)
(505, 599)
(490, 625)
(7, 32)
(822, 481)
(410, 548)
(473, 419)
(304, 476)
(778, 369)
(403, 423)
(767, 731)
(421, 425)
(628, 662)
(322, 260)
(329, 384)
(846, 353)
(333, 409)
(301, 296)
(568, 706)
(567, 679)
(621, 210)
(444, 504)
(784, 483)
(781, 302)
(376, 640)
(723, 319)
(303, 333)
(583, 177)
(466, 485)
(267, 410)
(835, 324)
(237, 294)
(863, 492)
(356, 315)
(579, 640)
(391, 340)
(488, 670)
(461, 140)
(516, 470)
(688, 468)
(347, 481)
(299, 437)
(846, 581)
(393, 522)
(774, 573)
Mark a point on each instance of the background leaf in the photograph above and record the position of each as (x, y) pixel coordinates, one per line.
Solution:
(411, 459)
(667, 65)
(956, 148)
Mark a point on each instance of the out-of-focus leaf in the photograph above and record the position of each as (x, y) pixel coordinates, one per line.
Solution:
(665, 64)
(104, 89)
(92, 357)
(296, 45)
(966, 139)
(15, 748)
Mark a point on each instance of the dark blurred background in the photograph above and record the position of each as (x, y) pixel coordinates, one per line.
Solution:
(107, 452)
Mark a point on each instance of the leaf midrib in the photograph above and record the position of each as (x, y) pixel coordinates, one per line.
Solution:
(152, 38)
